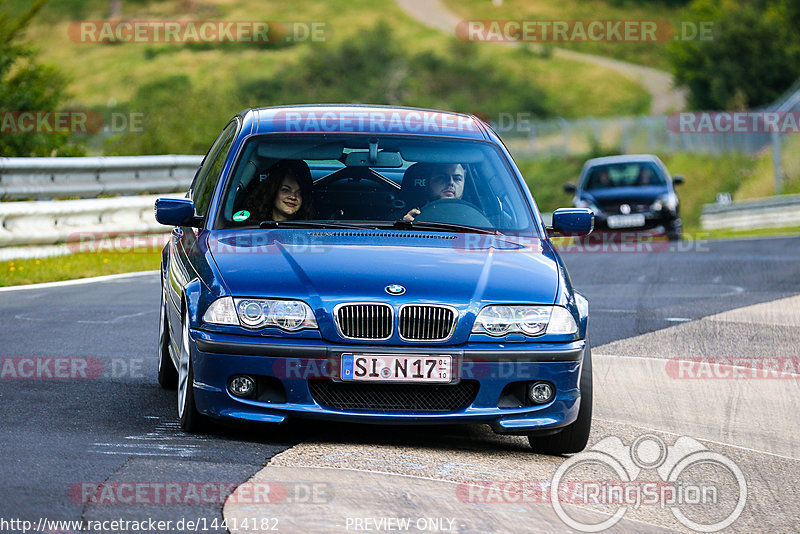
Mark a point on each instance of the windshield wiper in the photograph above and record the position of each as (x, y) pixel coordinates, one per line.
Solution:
(442, 226)
(308, 224)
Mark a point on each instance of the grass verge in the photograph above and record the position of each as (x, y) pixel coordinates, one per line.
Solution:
(80, 265)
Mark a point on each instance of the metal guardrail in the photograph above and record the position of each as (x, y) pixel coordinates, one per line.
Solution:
(66, 221)
(48, 178)
(773, 212)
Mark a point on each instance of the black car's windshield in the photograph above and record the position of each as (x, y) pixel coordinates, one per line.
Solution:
(631, 174)
(360, 180)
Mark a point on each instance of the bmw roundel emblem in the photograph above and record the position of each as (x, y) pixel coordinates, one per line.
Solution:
(395, 289)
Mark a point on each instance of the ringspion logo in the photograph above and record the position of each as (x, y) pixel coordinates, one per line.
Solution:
(690, 477)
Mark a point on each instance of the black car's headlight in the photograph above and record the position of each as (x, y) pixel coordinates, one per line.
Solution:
(583, 203)
(289, 315)
(669, 201)
(500, 320)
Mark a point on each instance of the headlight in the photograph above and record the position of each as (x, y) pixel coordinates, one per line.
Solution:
(290, 315)
(529, 320)
(221, 311)
(581, 203)
(669, 201)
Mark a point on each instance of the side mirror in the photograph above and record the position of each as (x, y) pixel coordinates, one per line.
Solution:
(572, 222)
(570, 188)
(677, 179)
(175, 212)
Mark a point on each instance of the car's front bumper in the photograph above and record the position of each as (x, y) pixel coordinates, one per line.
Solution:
(217, 357)
(654, 221)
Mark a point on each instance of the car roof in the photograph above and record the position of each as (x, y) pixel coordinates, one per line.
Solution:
(623, 158)
(363, 119)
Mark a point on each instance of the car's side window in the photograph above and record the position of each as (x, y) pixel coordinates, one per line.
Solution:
(204, 184)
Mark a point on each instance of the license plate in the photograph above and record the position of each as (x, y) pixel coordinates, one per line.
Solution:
(391, 368)
(626, 221)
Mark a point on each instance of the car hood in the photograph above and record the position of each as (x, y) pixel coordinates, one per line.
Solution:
(329, 266)
(632, 195)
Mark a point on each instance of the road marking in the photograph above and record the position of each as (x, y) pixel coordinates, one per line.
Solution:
(748, 449)
(145, 449)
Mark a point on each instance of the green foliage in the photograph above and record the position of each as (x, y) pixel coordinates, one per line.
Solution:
(638, 3)
(374, 68)
(546, 178)
(26, 85)
(705, 176)
(58, 10)
(753, 57)
(177, 118)
(180, 118)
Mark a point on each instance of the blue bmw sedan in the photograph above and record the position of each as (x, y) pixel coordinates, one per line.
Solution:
(371, 264)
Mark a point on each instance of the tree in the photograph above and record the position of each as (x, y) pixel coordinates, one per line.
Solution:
(26, 85)
(753, 57)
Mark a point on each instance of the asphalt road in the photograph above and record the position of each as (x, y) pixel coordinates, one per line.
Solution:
(59, 436)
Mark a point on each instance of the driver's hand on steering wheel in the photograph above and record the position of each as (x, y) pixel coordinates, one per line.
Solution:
(409, 217)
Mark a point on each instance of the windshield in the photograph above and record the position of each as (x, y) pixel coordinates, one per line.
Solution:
(370, 181)
(631, 174)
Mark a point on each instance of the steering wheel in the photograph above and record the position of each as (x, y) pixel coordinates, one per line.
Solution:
(453, 211)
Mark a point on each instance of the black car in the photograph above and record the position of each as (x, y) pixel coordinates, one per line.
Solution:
(632, 193)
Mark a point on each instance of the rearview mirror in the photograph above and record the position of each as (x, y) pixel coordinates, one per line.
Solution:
(572, 222)
(677, 179)
(175, 212)
(383, 159)
(570, 188)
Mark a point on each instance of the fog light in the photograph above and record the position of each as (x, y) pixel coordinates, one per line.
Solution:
(242, 386)
(541, 392)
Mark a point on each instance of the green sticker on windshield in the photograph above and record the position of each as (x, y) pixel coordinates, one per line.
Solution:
(241, 215)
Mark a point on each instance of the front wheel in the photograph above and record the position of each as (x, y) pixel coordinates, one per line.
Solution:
(675, 230)
(575, 436)
(191, 420)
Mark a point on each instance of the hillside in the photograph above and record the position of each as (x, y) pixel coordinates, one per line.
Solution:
(665, 13)
(108, 75)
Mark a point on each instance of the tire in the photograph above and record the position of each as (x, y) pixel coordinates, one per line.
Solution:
(574, 437)
(191, 420)
(167, 374)
(675, 231)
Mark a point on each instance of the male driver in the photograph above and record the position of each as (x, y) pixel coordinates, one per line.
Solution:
(446, 181)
